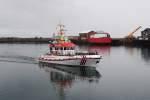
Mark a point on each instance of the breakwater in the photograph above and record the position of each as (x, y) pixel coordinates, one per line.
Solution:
(24, 40)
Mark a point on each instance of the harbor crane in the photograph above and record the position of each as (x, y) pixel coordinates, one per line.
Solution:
(130, 36)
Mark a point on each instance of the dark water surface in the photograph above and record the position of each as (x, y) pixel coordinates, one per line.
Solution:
(123, 74)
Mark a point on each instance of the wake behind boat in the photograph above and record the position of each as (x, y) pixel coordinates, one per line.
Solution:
(63, 52)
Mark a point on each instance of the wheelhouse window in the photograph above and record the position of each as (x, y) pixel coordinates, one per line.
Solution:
(68, 48)
(51, 48)
(56, 48)
(61, 48)
(72, 48)
(98, 35)
(65, 48)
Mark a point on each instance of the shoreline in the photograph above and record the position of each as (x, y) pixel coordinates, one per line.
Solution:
(24, 40)
(41, 40)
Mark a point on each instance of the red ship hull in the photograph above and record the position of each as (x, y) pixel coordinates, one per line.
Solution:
(101, 40)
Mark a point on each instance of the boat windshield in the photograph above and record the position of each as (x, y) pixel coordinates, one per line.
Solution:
(62, 51)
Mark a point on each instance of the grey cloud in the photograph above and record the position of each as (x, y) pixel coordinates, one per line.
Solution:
(114, 16)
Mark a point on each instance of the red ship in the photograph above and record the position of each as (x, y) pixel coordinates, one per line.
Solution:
(93, 37)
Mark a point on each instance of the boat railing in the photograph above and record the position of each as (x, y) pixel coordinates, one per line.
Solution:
(86, 53)
(73, 53)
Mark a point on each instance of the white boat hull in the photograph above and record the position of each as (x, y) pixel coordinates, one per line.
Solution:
(75, 62)
(78, 60)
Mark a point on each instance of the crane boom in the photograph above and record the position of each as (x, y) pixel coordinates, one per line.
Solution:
(131, 34)
(129, 38)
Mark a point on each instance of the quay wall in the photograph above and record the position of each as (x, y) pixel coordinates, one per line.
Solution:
(115, 41)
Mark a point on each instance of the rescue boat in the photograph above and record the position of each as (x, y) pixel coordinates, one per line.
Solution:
(63, 52)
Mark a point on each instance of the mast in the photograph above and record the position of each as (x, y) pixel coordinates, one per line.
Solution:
(60, 29)
(60, 32)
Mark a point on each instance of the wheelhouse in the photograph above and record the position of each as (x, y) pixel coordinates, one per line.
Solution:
(62, 49)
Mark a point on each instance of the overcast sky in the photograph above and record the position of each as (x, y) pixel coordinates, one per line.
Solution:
(118, 17)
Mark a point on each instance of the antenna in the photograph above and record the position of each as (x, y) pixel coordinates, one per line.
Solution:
(60, 29)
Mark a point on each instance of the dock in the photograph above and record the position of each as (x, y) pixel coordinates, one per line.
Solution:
(118, 42)
(40, 40)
